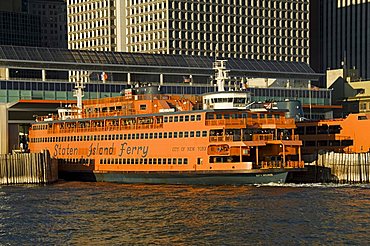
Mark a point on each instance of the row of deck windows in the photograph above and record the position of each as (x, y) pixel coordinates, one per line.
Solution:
(145, 161)
(183, 118)
(155, 135)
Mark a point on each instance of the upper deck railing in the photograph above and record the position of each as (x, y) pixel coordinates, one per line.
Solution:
(251, 121)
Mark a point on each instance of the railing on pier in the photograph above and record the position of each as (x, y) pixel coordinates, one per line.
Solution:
(280, 164)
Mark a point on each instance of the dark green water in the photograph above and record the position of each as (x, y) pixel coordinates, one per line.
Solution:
(74, 213)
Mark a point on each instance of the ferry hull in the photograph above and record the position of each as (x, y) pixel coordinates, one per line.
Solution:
(201, 178)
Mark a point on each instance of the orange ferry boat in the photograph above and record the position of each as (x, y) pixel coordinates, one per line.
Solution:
(154, 138)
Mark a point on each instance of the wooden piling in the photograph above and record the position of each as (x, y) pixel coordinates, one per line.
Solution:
(346, 168)
(28, 168)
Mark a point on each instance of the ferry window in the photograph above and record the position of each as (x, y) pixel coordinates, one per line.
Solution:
(128, 136)
(169, 161)
(108, 161)
(150, 135)
(150, 161)
(146, 135)
(101, 161)
(124, 136)
(185, 161)
(300, 130)
(186, 117)
(174, 161)
(210, 116)
(113, 137)
(137, 135)
(199, 117)
(165, 135)
(181, 118)
(179, 161)
(159, 161)
(254, 116)
(128, 161)
(310, 130)
(123, 161)
(347, 142)
(170, 119)
(74, 138)
(133, 136)
(186, 134)
(277, 116)
(226, 116)
(170, 135)
(181, 134)
(262, 116)
(204, 133)
(141, 135)
(154, 161)
(192, 117)
(176, 119)
(191, 134)
(160, 135)
(120, 161)
(120, 136)
(197, 134)
(175, 135)
(85, 137)
(322, 143)
(142, 106)
(269, 116)
(141, 161)
(136, 161)
(218, 116)
(145, 161)
(165, 119)
(155, 135)
(109, 137)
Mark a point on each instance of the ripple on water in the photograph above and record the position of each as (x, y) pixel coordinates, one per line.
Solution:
(103, 213)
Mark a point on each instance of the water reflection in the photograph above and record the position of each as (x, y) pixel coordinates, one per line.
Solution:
(116, 214)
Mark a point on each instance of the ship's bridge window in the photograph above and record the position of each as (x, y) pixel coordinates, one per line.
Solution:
(362, 117)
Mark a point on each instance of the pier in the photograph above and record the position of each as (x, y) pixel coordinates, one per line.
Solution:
(28, 168)
(345, 168)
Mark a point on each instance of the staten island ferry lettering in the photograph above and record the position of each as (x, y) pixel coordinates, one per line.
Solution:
(216, 138)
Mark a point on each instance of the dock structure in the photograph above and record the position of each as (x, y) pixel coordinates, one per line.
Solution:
(28, 168)
(345, 168)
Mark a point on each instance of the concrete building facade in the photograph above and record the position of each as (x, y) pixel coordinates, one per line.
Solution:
(252, 29)
(341, 35)
(92, 25)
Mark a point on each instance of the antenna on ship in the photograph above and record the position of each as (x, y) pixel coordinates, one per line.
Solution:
(221, 74)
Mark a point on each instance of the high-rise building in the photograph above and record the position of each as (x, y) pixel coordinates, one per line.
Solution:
(92, 24)
(253, 29)
(33, 23)
(53, 15)
(340, 35)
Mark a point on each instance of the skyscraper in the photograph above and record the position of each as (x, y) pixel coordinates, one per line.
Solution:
(254, 29)
(341, 35)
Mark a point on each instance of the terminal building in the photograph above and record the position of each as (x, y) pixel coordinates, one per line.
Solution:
(35, 81)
